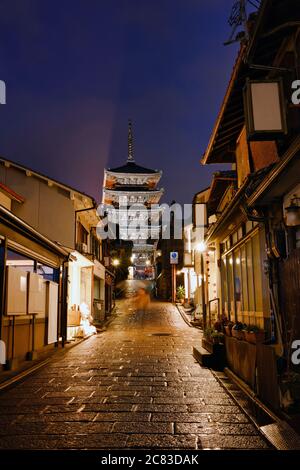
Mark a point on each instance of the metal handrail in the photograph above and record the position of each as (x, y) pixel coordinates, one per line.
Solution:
(209, 309)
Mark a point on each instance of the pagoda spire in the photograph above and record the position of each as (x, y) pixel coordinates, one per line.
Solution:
(130, 142)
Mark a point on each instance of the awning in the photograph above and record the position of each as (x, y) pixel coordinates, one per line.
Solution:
(221, 180)
(81, 260)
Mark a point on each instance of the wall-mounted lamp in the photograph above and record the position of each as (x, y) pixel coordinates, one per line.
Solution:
(293, 213)
(264, 109)
(201, 247)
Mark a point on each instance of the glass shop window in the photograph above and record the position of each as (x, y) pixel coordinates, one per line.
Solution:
(230, 285)
(82, 234)
(97, 288)
(257, 269)
(249, 226)
(245, 304)
(297, 236)
(224, 287)
(20, 261)
(234, 238)
(49, 274)
(95, 246)
(24, 263)
(250, 276)
(237, 280)
(240, 233)
(242, 283)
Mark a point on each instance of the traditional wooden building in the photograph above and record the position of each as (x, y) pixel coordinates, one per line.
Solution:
(253, 215)
(68, 217)
(33, 283)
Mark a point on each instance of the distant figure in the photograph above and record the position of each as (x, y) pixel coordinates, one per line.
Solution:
(142, 300)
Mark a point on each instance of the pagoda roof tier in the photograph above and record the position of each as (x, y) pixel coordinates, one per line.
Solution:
(147, 212)
(145, 247)
(132, 167)
(134, 188)
(112, 179)
(125, 192)
(134, 197)
(141, 227)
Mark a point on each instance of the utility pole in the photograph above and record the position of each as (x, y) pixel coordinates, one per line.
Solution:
(173, 262)
(173, 282)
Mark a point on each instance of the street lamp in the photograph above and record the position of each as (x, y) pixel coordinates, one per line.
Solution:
(116, 262)
(201, 248)
(293, 212)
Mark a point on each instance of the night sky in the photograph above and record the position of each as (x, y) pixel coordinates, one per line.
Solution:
(76, 70)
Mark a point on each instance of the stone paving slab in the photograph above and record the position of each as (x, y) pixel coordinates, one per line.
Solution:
(136, 385)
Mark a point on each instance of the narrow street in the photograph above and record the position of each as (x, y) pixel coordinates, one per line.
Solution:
(136, 385)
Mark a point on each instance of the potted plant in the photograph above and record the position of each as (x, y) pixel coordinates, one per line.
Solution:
(217, 337)
(218, 325)
(228, 328)
(238, 330)
(254, 335)
(208, 333)
(180, 294)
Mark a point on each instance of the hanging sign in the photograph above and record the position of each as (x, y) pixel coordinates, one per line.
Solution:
(174, 257)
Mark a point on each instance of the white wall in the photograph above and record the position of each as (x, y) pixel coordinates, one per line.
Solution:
(5, 201)
(48, 209)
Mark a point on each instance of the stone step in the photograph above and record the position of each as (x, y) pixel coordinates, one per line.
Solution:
(204, 357)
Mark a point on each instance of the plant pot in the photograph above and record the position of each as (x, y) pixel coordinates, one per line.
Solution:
(255, 337)
(228, 330)
(238, 334)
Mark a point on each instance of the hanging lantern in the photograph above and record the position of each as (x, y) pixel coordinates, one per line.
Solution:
(264, 109)
(293, 213)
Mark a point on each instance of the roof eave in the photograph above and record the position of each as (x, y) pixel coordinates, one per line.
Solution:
(32, 232)
(45, 177)
(206, 157)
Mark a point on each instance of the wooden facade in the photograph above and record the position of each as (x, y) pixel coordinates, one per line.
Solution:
(27, 335)
(258, 262)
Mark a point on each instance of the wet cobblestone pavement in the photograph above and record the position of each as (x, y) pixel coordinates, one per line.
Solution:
(136, 385)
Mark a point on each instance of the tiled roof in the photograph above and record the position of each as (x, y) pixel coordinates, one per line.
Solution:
(132, 167)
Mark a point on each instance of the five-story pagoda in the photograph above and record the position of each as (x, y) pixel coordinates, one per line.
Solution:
(131, 190)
